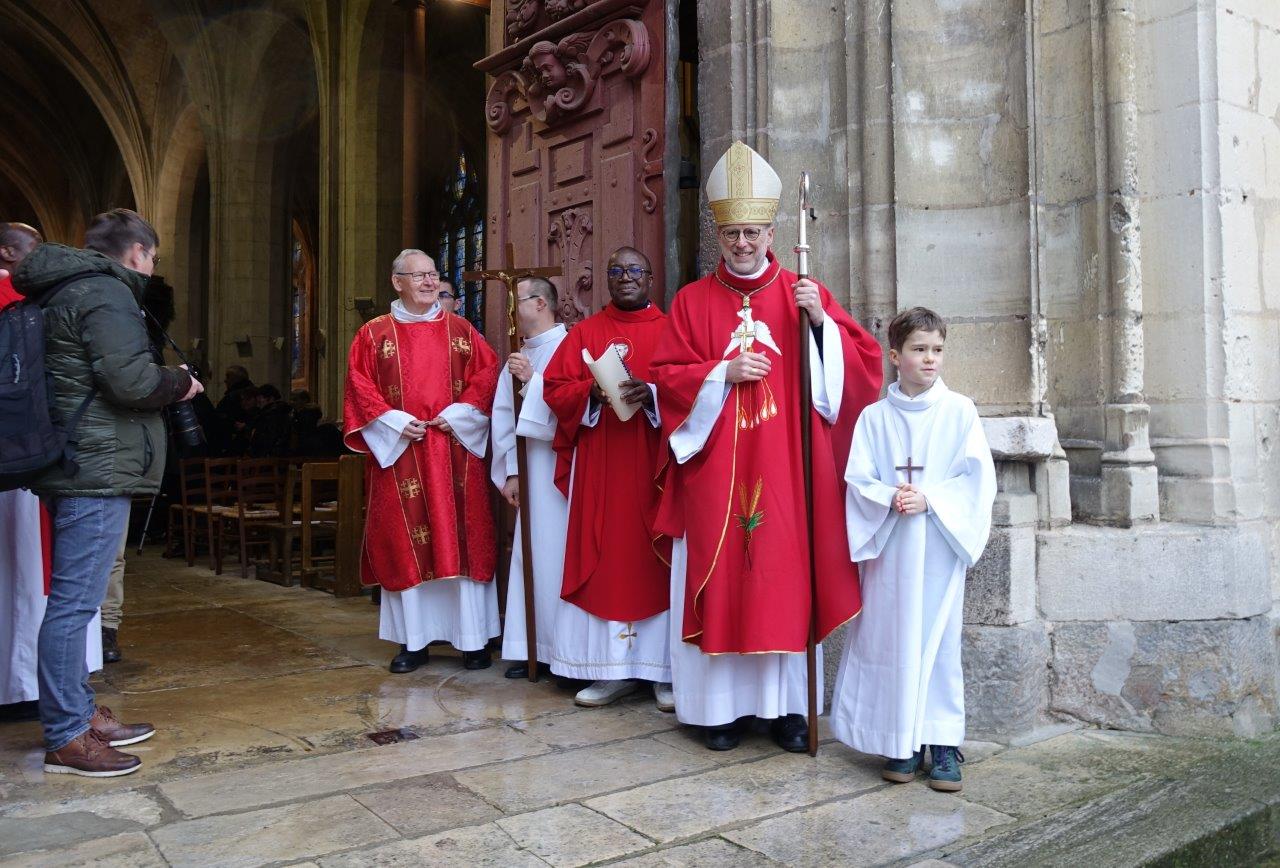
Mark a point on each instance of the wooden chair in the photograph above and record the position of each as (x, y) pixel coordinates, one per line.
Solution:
(284, 529)
(259, 490)
(351, 518)
(318, 517)
(182, 515)
(219, 492)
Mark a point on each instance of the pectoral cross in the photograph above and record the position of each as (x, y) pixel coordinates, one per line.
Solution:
(746, 333)
(511, 275)
(909, 467)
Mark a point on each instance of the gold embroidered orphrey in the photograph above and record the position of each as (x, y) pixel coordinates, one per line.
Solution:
(421, 534)
(461, 345)
(410, 487)
(388, 348)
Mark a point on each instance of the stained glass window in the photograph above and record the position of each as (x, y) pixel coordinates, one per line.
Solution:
(462, 239)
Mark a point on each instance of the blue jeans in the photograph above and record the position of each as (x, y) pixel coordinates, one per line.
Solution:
(86, 537)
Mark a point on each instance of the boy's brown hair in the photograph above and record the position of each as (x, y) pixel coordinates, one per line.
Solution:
(912, 320)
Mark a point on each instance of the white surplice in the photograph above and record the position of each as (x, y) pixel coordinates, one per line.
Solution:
(22, 599)
(900, 685)
(550, 510)
(715, 689)
(460, 611)
(596, 649)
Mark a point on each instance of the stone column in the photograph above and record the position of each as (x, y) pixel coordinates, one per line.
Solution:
(1129, 493)
(415, 67)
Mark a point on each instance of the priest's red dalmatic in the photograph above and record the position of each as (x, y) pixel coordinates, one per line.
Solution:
(615, 565)
(429, 515)
(739, 502)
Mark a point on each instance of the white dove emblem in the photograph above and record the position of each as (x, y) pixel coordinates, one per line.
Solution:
(750, 331)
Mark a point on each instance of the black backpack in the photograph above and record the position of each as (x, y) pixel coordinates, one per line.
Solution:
(31, 438)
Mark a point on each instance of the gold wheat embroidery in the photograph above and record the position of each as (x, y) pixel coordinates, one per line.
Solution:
(751, 516)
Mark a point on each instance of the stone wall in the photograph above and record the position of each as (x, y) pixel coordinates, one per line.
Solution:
(1088, 190)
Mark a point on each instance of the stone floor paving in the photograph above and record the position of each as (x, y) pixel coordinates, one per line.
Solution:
(264, 698)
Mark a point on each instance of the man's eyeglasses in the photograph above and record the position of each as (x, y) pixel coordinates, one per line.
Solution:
(418, 276)
(751, 233)
(634, 272)
(444, 293)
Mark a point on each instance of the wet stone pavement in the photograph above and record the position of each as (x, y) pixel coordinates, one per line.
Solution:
(264, 698)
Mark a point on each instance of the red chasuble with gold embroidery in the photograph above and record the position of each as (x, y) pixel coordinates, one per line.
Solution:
(739, 502)
(615, 567)
(428, 515)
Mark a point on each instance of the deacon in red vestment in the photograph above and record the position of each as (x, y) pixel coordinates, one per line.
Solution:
(733, 487)
(420, 385)
(616, 573)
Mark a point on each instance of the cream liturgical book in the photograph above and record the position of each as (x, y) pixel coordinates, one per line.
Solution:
(609, 371)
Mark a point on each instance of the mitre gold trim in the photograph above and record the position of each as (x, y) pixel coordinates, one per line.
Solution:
(729, 211)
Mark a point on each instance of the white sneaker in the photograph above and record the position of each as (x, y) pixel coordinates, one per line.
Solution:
(604, 692)
(665, 696)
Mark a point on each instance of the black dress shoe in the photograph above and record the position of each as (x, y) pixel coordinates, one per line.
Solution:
(791, 732)
(476, 659)
(110, 646)
(407, 661)
(724, 737)
(517, 670)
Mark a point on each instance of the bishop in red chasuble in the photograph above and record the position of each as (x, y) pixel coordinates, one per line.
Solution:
(727, 371)
(419, 390)
(616, 574)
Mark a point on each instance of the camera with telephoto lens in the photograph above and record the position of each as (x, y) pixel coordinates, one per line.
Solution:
(182, 416)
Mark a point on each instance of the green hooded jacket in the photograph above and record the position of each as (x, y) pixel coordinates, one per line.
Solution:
(95, 335)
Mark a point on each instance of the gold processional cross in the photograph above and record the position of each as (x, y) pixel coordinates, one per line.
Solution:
(511, 274)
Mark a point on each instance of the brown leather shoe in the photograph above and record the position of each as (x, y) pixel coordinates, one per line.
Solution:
(119, 734)
(90, 755)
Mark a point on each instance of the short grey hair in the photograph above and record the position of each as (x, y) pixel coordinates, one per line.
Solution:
(398, 264)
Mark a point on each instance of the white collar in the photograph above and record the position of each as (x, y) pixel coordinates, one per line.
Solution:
(764, 266)
(401, 315)
(923, 401)
(556, 331)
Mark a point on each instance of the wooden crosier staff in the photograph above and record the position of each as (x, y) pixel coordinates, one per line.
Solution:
(510, 275)
(806, 451)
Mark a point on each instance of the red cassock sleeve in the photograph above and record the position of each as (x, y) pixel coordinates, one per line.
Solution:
(566, 387)
(362, 399)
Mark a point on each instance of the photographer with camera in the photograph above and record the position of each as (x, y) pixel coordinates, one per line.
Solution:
(108, 384)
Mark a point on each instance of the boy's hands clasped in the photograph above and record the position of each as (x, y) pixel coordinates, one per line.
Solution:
(910, 500)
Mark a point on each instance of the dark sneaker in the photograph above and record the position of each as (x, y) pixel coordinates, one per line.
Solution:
(407, 661)
(723, 737)
(791, 732)
(903, 771)
(110, 646)
(118, 734)
(945, 774)
(477, 659)
(90, 756)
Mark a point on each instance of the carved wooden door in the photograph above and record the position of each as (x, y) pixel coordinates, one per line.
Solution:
(577, 119)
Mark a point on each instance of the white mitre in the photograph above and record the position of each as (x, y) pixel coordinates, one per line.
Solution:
(743, 188)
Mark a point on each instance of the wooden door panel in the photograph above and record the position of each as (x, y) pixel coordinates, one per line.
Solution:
(577, 118)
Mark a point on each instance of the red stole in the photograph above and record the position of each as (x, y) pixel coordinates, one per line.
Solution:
(615, 565)
(428, 514)
(739, 502)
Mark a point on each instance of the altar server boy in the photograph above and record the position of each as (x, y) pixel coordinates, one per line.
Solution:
(918, 506)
